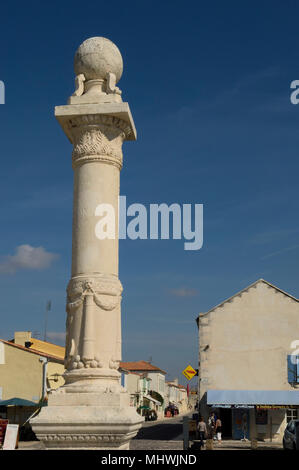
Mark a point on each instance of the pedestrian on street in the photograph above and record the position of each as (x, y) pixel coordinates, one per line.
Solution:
(218, 430)
(211, 425)
(202, 429)
(244, 427)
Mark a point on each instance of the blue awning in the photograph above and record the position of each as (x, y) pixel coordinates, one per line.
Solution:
(17, 402)
(253, 397)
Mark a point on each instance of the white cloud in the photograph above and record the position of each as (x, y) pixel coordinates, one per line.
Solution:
(27, 257)
(284, 250)
(272, 236)
(184, 292)
(56, 336)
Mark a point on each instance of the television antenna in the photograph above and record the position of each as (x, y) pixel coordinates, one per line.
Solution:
(48, 308)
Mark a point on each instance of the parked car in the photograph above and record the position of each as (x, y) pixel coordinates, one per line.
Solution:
(171, 409)
(150, 415)
(289, 437)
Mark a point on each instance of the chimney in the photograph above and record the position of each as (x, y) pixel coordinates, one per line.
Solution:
(22, 337)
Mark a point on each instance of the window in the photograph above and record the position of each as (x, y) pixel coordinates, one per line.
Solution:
(261, 416)
(123, 379)
(161, 385)
(293, 369)
(291, 414)
(3, 411)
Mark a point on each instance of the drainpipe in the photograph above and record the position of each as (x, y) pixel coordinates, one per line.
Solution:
(44, 361)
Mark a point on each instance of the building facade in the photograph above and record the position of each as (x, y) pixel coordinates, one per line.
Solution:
(138, 386)
(27, 375)
(247, 362)
(176, 395)
(155, 395)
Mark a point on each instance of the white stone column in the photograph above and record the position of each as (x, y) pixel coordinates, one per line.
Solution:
(92, 409)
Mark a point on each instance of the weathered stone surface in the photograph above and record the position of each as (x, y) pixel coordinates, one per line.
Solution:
(92, 409)
(96, 57)
(98, 67)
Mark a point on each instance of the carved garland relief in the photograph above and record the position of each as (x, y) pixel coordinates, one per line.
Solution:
(106, 294)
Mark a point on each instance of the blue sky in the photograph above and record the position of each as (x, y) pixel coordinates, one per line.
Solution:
(208, 84)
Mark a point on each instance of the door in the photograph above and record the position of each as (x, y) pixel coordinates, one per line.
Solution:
(240, 423)
(226, 421)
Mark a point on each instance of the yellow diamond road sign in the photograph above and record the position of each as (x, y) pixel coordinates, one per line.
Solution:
(189, 372)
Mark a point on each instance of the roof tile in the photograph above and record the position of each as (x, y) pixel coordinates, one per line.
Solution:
(140, 366)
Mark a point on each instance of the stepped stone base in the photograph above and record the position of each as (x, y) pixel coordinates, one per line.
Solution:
(101, 420)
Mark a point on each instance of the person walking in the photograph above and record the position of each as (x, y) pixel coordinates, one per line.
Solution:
(211, 425)
(218, 430)
(244, 427)
(202, 430)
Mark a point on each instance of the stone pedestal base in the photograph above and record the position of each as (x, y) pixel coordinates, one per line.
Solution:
(101, 420)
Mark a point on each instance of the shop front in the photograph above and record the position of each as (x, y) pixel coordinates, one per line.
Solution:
(253, 414)
(235, 420)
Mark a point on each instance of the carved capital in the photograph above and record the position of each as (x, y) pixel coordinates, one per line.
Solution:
(98, 138)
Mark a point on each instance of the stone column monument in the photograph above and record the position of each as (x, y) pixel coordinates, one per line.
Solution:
(92, 409)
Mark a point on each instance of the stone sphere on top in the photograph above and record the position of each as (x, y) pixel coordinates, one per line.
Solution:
(96, 57)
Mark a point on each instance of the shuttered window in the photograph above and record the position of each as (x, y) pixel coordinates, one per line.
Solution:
(293, 369)
(122, 379)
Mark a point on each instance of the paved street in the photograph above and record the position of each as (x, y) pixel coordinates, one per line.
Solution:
(160, 435)
(154, 435)
(167, 435)
(240, 445)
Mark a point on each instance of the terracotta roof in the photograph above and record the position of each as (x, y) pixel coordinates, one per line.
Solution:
(141, 366)
(33, 351)
(176, 385)
(172, 384)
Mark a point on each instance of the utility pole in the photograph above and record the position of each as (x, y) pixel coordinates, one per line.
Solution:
(48, 308)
